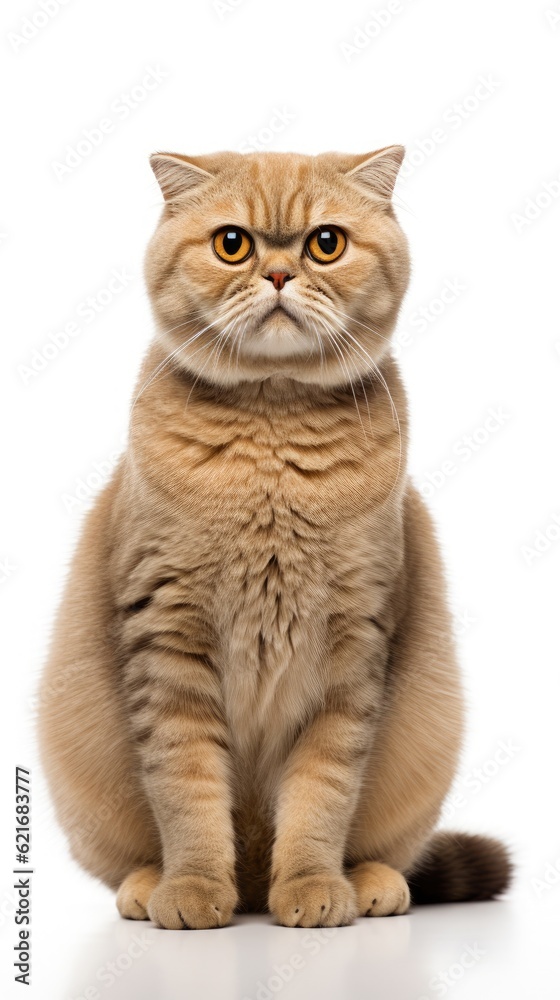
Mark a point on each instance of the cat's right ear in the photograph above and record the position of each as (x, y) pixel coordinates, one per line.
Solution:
(176, 174)
(377, 172)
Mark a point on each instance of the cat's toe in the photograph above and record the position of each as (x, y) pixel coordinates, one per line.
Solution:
(381, 891)
(192, 901)
(135, 892)
(326, 900)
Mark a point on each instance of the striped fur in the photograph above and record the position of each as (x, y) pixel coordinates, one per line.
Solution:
(252, 699)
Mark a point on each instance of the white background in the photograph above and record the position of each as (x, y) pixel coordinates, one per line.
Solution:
(481, 220)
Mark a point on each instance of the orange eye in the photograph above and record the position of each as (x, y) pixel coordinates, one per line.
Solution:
(232, 244)
(326, 244)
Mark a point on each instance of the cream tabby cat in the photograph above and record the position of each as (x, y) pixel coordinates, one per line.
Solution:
(252, 699)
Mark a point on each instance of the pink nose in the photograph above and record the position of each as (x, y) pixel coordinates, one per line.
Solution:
(279, 278)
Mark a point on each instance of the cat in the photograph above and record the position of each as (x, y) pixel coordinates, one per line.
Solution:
(252, 700)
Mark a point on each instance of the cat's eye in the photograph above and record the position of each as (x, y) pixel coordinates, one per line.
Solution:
(232, 244)
(326, 244)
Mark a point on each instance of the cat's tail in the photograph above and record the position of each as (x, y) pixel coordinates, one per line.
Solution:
(458, 867)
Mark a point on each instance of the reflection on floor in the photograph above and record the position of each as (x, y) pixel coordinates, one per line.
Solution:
(482, 950)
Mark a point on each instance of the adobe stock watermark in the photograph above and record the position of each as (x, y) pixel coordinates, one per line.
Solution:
(441, 983)
(119, 111)
(422, 318)
(8, 906)
(537, 204)
(86, 487)
(106, 810)
(543, 540)
(550, 878)
(463, 621)
(111, 972)
(552, 16)
(463, 450)
(7, 569)
(278, 122)
(379, 19)
(48, 692)
(224, 7)
(85, 313)
(283, 972)
(452, 120)
(471, 783)
(34, 23)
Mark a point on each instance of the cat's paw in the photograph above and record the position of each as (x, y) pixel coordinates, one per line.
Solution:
(325, 900)
(381, 891)
(192, 901)
(135, 892)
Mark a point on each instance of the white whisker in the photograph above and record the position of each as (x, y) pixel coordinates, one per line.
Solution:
(182, 347)
(345, 369)
(359, 323)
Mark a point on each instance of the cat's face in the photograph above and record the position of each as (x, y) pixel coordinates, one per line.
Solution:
(275, 263)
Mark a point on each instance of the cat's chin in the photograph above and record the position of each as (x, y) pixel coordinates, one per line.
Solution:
(278, 336)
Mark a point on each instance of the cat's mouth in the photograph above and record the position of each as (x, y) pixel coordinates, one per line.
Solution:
(279, 333)
(280, 310)
(285, 317)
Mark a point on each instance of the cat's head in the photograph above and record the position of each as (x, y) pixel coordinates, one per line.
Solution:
(276, 263)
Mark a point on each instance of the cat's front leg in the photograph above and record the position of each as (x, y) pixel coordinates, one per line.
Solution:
(317, 798)
(179, 726)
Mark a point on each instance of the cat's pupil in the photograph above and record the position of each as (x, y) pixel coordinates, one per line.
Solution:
(327, 240)
(232, 242)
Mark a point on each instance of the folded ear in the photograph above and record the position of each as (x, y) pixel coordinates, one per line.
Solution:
(177, 174)
(378, 171)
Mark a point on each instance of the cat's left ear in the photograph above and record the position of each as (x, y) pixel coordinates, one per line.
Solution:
(176, 174)
(378, 171)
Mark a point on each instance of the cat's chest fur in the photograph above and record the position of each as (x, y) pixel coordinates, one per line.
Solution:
(275, 532)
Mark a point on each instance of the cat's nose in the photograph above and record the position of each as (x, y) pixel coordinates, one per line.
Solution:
(279, 278)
